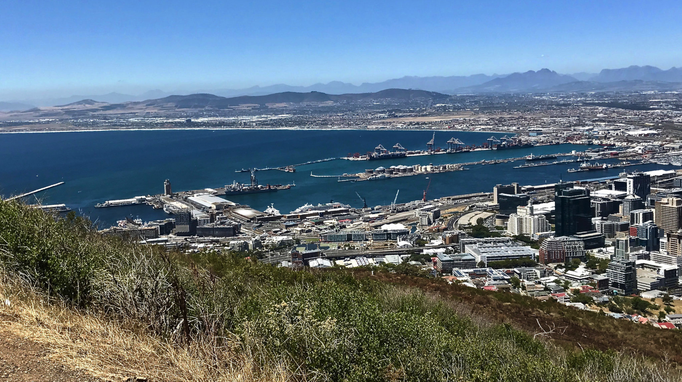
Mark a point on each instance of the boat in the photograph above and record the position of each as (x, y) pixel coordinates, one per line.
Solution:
(320, 207)
(380, 152)
(272, 211)
(532, 157)
(586, 166)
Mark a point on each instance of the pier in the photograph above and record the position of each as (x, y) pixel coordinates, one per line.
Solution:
(35, 191)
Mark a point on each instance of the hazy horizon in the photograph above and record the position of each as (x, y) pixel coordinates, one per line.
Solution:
(88, 48)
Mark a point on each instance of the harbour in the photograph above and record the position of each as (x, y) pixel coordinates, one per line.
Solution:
(144, 159)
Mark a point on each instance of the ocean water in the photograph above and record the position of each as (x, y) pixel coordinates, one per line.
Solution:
(105, 165)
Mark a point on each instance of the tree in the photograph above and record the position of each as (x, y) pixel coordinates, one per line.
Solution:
(480, 264)
(515, 282)
(583, 298)
(661, 315)
(667, 299)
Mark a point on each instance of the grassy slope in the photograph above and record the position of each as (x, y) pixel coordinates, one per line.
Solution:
(232, 315)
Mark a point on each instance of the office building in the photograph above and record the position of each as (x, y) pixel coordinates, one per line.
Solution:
(669, 214)
(512, 189)
(604, 207)
(632, 203)
(558, 249)
(647, 233)
(573, 212)
(622, 248)
(652, 275)
(622, 276)
(641, 216)
(639, 184)
(509, 202)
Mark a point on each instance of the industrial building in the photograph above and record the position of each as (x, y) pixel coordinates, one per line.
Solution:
(487, 252)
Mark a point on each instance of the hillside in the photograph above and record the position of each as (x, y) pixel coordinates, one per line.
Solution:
(143, 311)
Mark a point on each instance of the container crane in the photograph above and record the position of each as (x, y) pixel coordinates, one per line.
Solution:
(364, 201)
(427, 190)
(394, 201)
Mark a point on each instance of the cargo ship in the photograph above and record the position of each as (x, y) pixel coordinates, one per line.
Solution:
(380, 152)
(532, 157)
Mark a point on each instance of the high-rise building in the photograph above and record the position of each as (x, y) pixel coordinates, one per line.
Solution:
(509, 202)
(167, 188)
(639, 184)
(647, 233)
(622, 248)
(573, 212)
(669, 214)
(674, 243)
(622, 276)
(604, 207)
(527, 224)
(641, 216)
(504, 189)
(631, 203)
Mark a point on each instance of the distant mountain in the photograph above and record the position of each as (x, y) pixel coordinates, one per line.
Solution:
(11, 106)
(439, 84)
(583, 76)
(200, 101)
(617, 86)
(529, 81)
(84, 102)
(642, 73)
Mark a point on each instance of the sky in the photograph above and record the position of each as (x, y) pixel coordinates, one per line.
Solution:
(66, 47)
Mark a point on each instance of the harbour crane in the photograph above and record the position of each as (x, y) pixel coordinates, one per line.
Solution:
(427, 190)
(364, 201)
(430, 144)
(394, 201)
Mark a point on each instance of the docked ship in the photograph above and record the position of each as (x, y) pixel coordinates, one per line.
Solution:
(380, 152)
(532, 157)
(507, 143)
(237, 188)
(585, 166)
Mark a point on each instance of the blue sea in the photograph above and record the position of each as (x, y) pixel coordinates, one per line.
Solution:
(104, 165)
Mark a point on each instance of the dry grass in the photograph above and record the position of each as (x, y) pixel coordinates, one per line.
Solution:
(107, 350)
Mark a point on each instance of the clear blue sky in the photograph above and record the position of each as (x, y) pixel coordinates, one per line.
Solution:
(100, 45)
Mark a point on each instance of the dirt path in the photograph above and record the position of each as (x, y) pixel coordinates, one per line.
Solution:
(24, 360)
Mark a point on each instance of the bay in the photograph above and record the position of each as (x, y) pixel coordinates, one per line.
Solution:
(104, 165)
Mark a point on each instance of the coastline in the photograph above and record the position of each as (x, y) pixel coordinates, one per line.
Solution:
(250, 129)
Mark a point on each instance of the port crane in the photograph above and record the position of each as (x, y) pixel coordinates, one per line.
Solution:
(364, 201)
(425, 191)
(430, 144)
(394, 201)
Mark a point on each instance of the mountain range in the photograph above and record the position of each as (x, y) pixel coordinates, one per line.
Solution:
(633, 78)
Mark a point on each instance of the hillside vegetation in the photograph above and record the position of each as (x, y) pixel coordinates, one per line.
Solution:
(136, 310)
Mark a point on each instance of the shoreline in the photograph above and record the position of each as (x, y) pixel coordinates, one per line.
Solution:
(245, 128)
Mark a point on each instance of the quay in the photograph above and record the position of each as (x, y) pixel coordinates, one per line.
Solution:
(35, 191)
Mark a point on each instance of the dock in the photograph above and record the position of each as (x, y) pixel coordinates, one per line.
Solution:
(35, 191)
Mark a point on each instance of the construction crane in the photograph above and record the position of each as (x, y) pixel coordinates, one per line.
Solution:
(394, 201)
(364, 201)
(427, 190)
